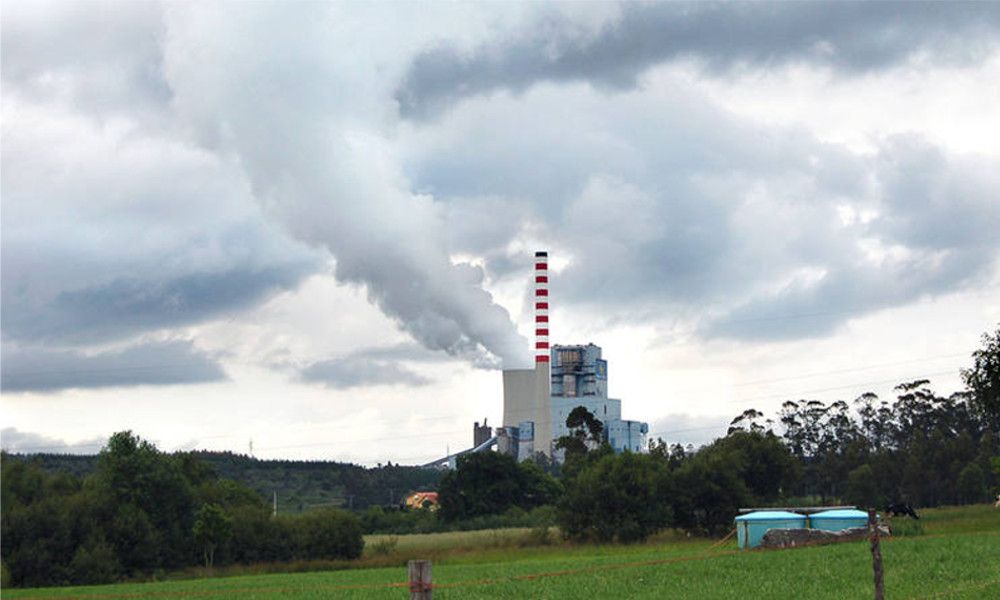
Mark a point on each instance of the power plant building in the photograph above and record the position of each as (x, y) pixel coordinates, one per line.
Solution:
(537, 401)
(580, 378)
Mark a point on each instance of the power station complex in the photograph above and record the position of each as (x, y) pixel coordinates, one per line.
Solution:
(537, 401)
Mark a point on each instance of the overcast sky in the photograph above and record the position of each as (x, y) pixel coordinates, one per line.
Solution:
(310, 225)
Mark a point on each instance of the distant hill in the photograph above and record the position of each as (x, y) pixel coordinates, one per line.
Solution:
(300, 485)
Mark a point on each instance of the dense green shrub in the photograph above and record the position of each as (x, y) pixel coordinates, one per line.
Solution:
(256, 537)
(329, 534)
(621, 497)
(490, 483)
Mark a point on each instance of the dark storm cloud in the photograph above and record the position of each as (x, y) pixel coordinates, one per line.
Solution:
(126, 307)
(157, 363)
(110, 231)
(360, 371)
(934, 202)
(848, 36)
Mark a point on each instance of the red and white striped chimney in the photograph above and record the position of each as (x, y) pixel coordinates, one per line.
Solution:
(541, 307)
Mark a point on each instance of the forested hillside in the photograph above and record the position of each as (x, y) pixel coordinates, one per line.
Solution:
(300, 485)
(142, 512)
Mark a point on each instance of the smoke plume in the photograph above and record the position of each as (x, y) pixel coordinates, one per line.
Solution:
(310, 126)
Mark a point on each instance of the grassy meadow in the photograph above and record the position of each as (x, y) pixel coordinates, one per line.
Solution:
(949, 553)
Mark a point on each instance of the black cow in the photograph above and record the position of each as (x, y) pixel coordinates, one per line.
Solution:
(901, 509)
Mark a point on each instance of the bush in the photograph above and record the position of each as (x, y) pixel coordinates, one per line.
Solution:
(621, 497)
(490, 483)
(257, 538)
(327, 534)
(710, 492)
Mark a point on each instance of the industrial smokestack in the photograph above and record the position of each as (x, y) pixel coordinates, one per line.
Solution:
(542, 409)
(527, 392)
(541, 307)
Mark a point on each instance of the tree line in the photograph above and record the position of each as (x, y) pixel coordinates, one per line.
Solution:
(921, 448)
(299, 485)
(143, 512)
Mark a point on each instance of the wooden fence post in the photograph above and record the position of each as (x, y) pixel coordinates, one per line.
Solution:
(876, 554)
(421, 583)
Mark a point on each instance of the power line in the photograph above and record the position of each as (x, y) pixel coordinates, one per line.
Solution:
(850, 370)
(842, 387)
(858, 308)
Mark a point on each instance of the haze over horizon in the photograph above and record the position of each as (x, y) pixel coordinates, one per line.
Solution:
(311, 225)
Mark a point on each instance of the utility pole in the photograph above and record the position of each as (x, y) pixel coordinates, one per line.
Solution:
(274, 505)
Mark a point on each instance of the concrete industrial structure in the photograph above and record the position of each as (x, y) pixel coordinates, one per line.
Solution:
(536, 401)
(576, 376)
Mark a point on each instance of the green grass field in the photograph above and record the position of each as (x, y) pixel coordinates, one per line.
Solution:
(957, 555)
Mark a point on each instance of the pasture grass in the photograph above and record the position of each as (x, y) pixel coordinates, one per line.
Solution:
(957, 556)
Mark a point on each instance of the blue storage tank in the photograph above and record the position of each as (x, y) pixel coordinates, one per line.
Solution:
(838, 519)
(751, 527)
